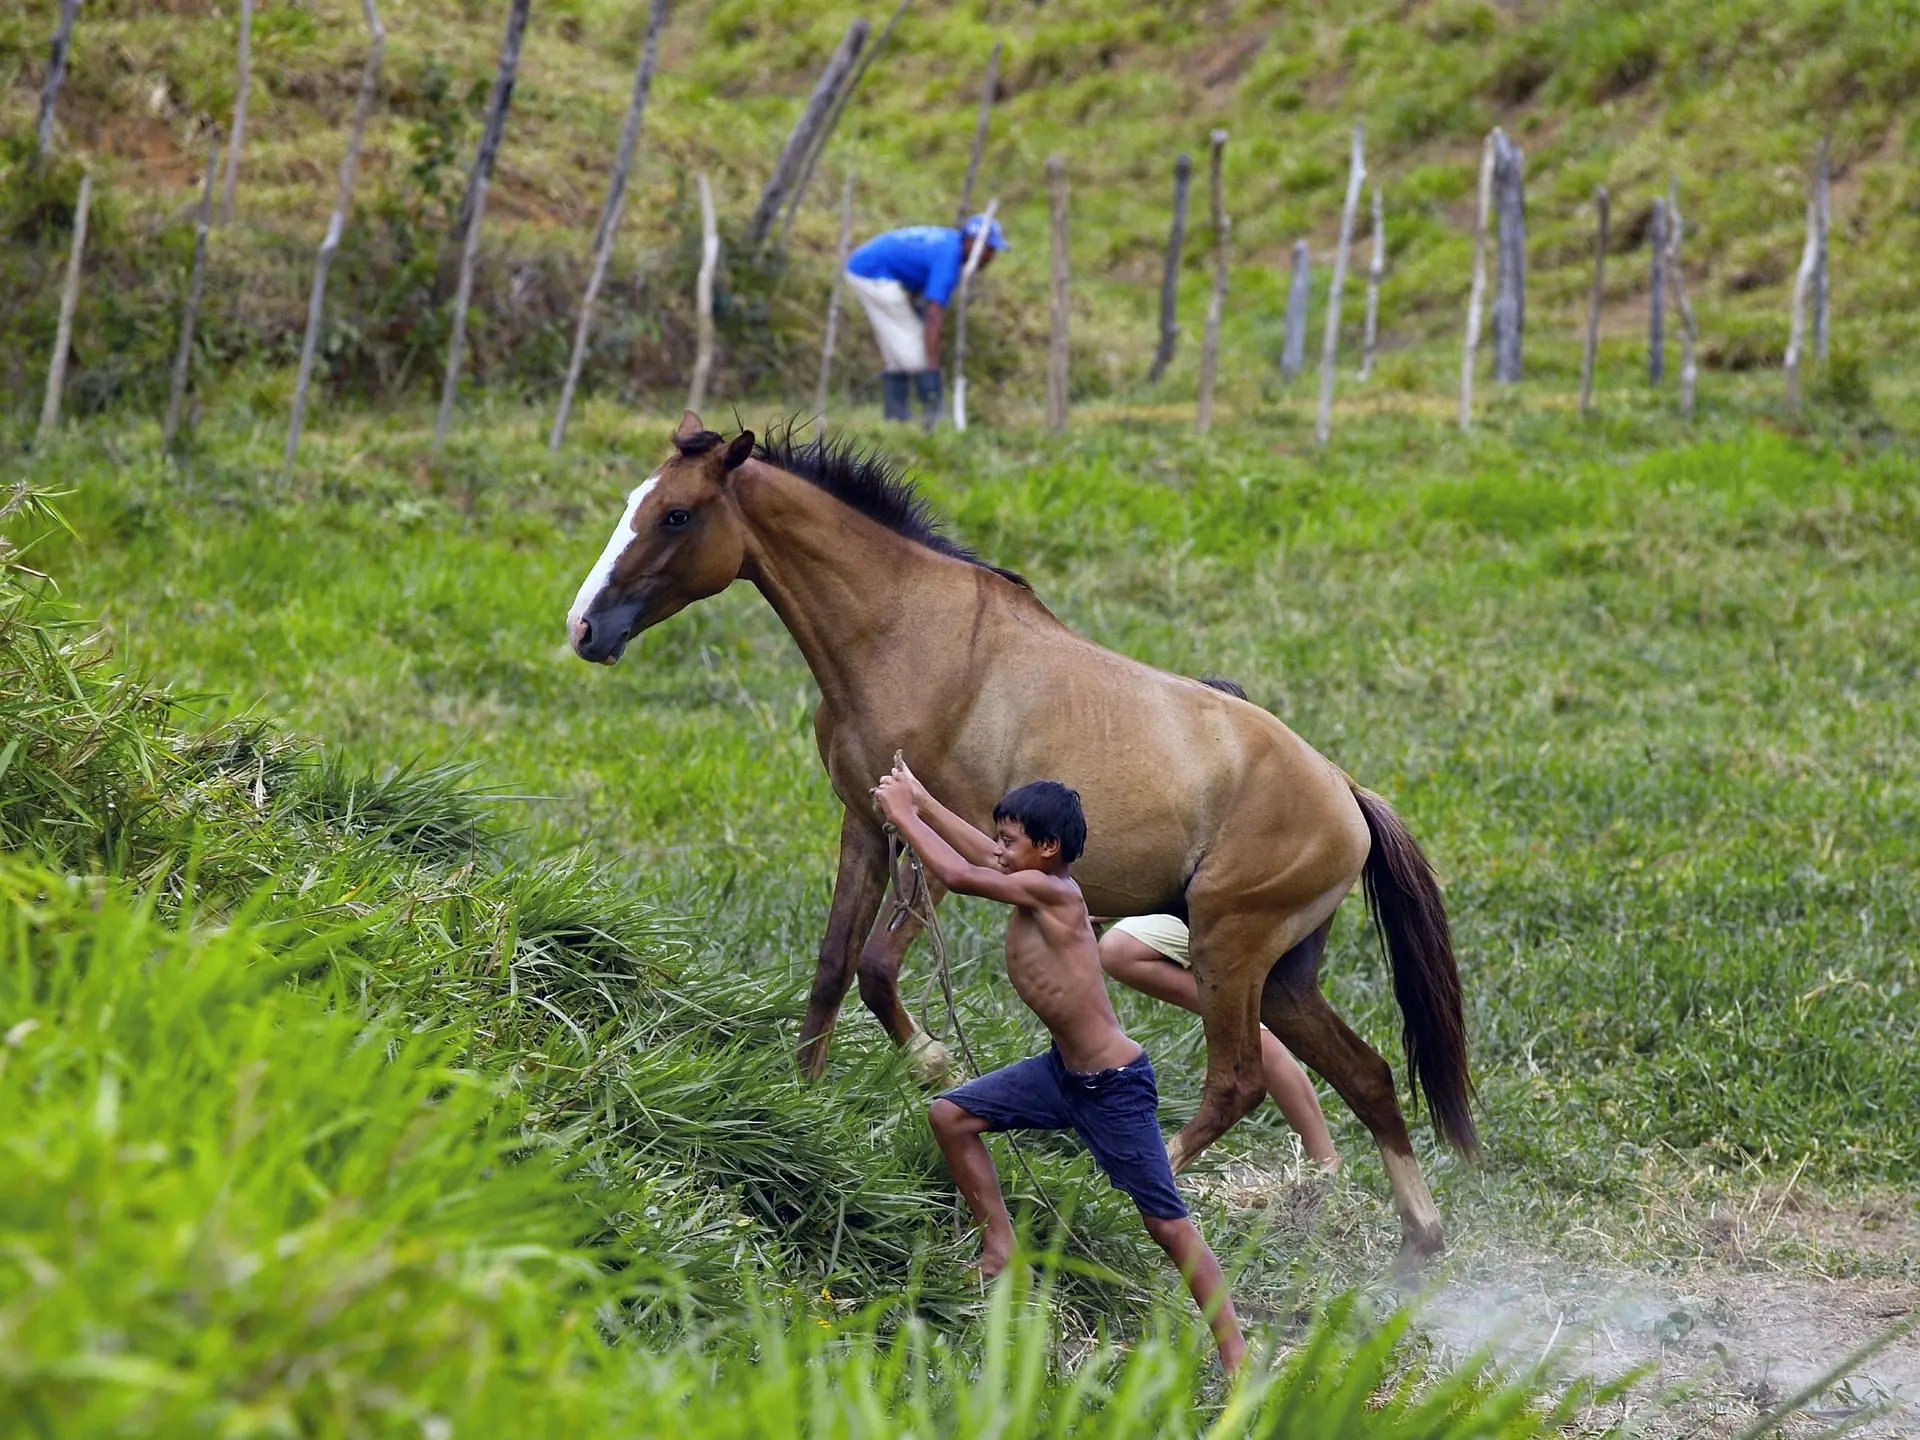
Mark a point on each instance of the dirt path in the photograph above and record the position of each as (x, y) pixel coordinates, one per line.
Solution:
(1717, 1305)
(1717, 1349)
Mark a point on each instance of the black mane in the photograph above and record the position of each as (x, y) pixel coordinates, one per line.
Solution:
(868, 480)
(700, 442)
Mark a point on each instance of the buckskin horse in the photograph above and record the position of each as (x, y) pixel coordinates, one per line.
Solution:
(1198, 804)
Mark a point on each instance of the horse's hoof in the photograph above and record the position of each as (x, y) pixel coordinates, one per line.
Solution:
(1176, 1155)
(811, 1060)
(928, 1061)
(1417, 1250)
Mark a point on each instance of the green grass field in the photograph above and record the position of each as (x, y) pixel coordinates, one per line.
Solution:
(1646, 697)
(397, 1015)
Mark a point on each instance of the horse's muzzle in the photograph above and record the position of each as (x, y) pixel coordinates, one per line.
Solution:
(601, 637)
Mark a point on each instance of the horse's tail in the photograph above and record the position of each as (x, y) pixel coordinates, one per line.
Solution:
(1411, 920)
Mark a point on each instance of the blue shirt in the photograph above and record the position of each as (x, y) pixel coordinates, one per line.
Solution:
(924, 258)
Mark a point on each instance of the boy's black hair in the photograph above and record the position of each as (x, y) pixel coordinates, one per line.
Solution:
(1225, 686)
(1047, 810)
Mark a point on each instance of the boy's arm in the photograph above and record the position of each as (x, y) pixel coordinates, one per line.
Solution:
(953, 870)
(948, 865)
(974, 845)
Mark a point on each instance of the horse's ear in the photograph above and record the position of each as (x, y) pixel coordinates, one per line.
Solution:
(739, 450)
(690, 426)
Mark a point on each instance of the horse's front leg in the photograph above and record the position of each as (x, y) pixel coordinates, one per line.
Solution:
(857, 892)
(879, 967)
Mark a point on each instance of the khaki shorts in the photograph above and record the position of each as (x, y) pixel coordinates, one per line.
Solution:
(1163, 934)
(897, 327)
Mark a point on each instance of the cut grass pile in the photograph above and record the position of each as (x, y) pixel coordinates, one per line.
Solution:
(325, 1119)
(579, 995)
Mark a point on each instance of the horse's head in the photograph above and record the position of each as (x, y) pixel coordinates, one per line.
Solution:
(679, 540)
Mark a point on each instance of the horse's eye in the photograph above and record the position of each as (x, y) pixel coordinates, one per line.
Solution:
(677, 519)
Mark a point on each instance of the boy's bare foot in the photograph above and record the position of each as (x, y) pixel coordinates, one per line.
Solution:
(994, 1258)
(1232, 1357)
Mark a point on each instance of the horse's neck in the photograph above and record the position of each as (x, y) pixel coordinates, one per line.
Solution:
(864, 605)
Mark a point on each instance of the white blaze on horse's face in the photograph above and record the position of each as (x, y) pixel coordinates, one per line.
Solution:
(679, 540)
(601, 575)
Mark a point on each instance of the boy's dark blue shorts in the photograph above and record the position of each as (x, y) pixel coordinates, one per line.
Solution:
(1115, 1111)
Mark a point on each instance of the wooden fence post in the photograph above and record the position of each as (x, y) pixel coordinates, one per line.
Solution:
(1602, 203)
(703, 298)
(1170, 278)
(1330, 346)
(808, 128)
(183, 358)
(1689, 332)
(833, 304)
(1293, 352)
(1057, 311)
(1217, 302)
(840, 101)
(236, 133)
(1375, 272)
(56, 77)
(1510, 300)
(462, 298)
(69, 299)
(495, 127)
(337, 223)
(1823, 202)
(960, 318)
(1802, 285)
(473, 211)
(962, 215)
(610, 216)
(1657, 307)
(1477, 296)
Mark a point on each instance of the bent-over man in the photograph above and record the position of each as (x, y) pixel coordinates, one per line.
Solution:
(896, 276)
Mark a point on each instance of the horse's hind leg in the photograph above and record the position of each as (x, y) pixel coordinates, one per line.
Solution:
(1229, 989)
(1295, 1010)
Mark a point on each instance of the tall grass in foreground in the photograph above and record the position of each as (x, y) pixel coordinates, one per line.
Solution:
(694, 1147)
(234, 1205)
(321, 1122)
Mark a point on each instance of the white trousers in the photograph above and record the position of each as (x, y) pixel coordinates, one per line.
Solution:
(901, 334)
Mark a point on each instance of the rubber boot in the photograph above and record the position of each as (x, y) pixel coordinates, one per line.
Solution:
(927, 384)
(893, 392)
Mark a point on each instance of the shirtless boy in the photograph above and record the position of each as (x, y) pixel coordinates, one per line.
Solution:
(1093, 1080)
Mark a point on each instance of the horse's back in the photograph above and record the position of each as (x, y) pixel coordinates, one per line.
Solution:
(1167, 768)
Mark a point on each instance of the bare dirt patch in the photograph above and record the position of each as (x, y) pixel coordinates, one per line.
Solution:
(1713, 1350)
(1709, 1309)
(148, 141)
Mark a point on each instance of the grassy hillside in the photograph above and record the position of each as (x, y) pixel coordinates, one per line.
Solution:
(1730, 97)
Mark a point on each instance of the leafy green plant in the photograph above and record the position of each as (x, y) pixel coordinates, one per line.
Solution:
(1845, 383)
